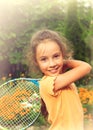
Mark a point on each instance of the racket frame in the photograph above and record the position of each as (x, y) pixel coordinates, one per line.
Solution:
(30, 80)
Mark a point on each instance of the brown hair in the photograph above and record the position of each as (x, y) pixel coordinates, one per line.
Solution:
(36, 40)
(42, 35)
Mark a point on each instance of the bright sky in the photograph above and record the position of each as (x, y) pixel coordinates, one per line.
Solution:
(22, 1)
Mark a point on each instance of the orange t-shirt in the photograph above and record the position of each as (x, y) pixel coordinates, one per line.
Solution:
(64, 107)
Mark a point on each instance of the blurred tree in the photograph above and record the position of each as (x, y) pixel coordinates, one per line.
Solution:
(18, 22)
(76, 30)
(20, 19)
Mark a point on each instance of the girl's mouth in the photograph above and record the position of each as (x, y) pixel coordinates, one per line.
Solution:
(54, 70)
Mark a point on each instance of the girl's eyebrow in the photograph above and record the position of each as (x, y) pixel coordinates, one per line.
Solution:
(57, 53)
(42, 57)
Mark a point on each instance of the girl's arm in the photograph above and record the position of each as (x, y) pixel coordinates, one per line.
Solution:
(77, 71)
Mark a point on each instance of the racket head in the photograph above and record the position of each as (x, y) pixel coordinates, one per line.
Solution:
(19, 103)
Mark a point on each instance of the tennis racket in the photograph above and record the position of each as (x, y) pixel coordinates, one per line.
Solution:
(19, 103)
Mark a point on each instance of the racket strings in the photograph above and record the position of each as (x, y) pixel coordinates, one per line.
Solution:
(19, 105)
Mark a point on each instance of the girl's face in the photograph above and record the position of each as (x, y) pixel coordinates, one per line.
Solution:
(49, 58)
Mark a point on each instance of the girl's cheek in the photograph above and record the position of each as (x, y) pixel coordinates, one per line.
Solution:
(41, 66)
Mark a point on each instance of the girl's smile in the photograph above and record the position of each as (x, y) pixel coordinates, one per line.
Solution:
(49, 58)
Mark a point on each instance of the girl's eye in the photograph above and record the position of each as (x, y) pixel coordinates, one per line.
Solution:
(57, 56)
(43, 59)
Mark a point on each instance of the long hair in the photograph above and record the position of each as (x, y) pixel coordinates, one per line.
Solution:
(44, 109)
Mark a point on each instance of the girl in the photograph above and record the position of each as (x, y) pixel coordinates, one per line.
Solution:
(57, 88)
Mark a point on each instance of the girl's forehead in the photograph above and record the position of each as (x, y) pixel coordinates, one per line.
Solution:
(47, 47)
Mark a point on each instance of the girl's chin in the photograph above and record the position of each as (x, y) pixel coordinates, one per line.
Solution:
(53, 74)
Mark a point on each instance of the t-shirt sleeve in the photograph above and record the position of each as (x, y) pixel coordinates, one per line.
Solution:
(47, 85)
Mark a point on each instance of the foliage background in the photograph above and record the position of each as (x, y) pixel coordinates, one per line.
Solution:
(19, 19)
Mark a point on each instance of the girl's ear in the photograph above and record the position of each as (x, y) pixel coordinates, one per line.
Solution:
(64, 61)
(35, 62)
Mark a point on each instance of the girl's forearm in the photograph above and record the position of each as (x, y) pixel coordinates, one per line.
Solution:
(76, 63)
(78, 70)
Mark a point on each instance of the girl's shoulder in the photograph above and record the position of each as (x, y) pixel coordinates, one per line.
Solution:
(47, 78)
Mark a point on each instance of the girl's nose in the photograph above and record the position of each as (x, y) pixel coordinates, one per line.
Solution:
(52, 63)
